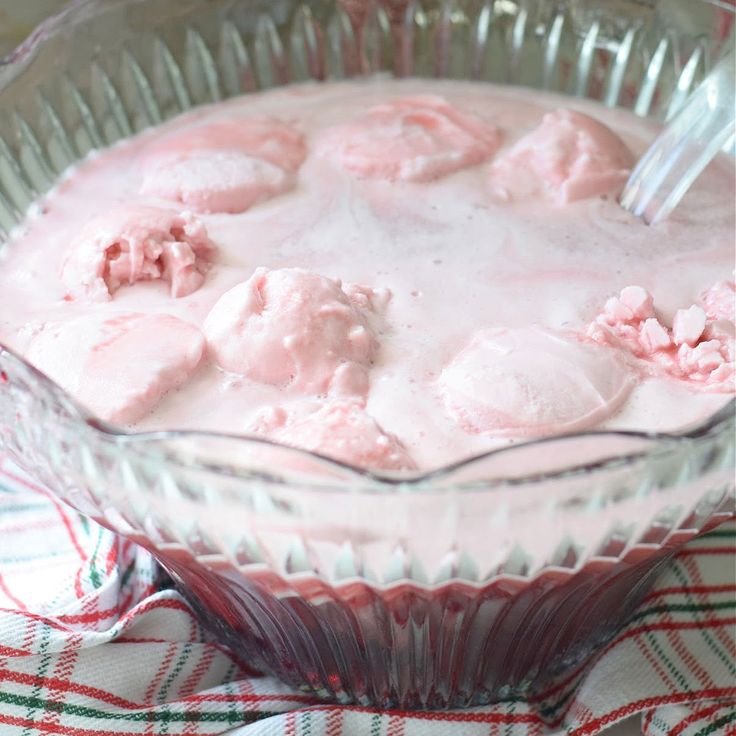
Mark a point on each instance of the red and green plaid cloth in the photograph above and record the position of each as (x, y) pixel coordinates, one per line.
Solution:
(90, 645)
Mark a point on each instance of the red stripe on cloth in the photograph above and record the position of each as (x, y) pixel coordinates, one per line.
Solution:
(160, 672)
(727, 642)
(64, 520)
(79, 591)
(290, 725)
(57, 505)
(147, 606)
(13, 599)
(27, 482)
(334, 723)
(252, 698)
(396, 726)
(54, 728)
(646, 721)
(128, 600)
(90, 617)
(111, 558)
(445, 717)
(107, 697)
(214, 645)
(29, 634)
(38, 618)
(189, 685)
(691, 590)
(710, 624)
(21, 678)
(62, 671)
(696, 716)
(654, 664)
(662, 626)
(654, 702)
(11, 652)
(686, 656)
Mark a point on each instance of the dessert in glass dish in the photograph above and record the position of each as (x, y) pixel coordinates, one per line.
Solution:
(409, 407)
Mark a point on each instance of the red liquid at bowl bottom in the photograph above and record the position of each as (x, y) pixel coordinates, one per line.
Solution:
(409, 647)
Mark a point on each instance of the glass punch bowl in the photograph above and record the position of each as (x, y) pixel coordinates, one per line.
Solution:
(497, 577)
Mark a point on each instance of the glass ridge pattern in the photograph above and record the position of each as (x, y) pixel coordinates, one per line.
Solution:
(321, 583)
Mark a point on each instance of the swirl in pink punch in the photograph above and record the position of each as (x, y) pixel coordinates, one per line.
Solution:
(341, 430)
(291, 327)
(698, 348)
(137, 243)
(411, 139)
(569, 156)
(118, 366)
(532, 382)
(224, 166)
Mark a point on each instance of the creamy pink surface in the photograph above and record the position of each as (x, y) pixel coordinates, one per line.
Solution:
(119, 364)
(394, 274)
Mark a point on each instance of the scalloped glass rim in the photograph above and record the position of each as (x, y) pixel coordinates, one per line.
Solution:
(720, 422)
(52, 24)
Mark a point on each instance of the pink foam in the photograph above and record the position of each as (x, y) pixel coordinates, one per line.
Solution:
(292, 327)
(137, 243)
(118, 366)
(412, 139)
(530, 381)
(224, 166)
(341, 430)
(569, 156)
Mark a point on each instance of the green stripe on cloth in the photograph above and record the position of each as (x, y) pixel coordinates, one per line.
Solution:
(683, 608)
(80, 661)
(720, 533)
(36, 703)
(681, 574)
(718, 724)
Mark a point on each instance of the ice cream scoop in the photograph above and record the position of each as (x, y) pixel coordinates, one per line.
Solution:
(224, 166)
(342, 430)
(568, 156)
(530, 382)
(137, 243)
(118, 366)
(291, 327)
(412, 139)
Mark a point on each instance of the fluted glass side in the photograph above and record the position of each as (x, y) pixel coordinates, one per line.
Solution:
(498, 577)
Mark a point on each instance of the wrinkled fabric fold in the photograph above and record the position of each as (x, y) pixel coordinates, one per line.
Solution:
(93, 642)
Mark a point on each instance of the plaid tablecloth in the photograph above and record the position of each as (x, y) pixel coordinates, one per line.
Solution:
(92, 644)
